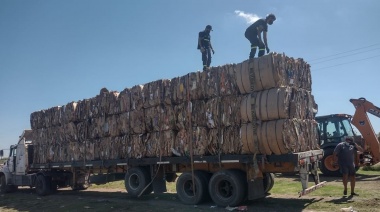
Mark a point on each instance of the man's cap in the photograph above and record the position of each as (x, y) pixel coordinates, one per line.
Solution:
(209, 27)
(349, 138)
(271, 15)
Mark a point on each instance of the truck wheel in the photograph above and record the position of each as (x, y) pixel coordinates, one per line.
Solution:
(3, 185)
(228, 187)
(327, 164)
(185, 188)
(268, 182)
(42, 185)
(136, 179)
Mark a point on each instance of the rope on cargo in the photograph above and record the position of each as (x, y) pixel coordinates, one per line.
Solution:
(254, 124)
(191, 130)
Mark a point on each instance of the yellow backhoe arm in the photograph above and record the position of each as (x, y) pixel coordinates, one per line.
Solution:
(361, 121)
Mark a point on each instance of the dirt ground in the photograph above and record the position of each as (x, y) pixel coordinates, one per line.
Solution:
(118, 200)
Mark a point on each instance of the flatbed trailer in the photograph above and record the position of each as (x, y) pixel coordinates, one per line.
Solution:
(227, 179)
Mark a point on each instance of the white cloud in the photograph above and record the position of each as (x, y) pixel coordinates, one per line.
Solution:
(248, 17)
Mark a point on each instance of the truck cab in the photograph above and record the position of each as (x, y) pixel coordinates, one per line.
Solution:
(14, 171)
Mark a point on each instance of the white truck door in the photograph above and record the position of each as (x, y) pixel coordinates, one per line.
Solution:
(12, 158)
(20, 159)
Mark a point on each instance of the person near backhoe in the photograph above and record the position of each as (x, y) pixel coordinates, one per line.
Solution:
(345, 153)
(204, 45)
(253, 34)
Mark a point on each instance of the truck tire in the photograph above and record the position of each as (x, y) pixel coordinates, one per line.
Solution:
(327, 167)
(136, 180)
(3, 185)
(228, 187)
(268, 182)
(185, 188)
(42, 185)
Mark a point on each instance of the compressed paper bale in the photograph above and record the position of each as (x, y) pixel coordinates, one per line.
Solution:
(124, 100)
(213, 142)
(95, 127)
(124, 123)
(138, 146)
(181, 115)
(153, 144)
(180, 146)
(198, 110)
(83, 111)
(115, 147)
(211, 82)
(137, 124)
(200, 140)
(82, 131)
(231, 143)
(167, 142)
(277, 103)
(248, 137)
(113, 123)
(104, 100)
(227, 80)
(263, 142)
(195, 86)
(230, 110)
(272, 70)
(242, 76)
(179, 86)
(137, 99)
(152, 93)
(212, 112)
(167, 117)
(124, 149)
(152, 118)
(69, 115)
(168, 92)
(269, 136)
(90, 154)
(113, 99)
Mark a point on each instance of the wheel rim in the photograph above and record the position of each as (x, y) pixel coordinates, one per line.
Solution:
(188, 188)
(134, 181)
(329, 163)
(225, 189)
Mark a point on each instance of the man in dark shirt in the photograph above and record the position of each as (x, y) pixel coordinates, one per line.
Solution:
(253, 34)
(204, 45)
(346, 152)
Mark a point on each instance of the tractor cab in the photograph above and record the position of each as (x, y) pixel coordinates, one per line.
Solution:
(333, 129)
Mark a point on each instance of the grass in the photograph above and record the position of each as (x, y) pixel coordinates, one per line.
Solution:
(283, 195)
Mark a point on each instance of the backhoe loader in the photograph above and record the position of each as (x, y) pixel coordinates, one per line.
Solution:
(333, 129)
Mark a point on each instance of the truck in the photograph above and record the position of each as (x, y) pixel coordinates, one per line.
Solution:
(334, 128)
(227, 179)
(267, 99)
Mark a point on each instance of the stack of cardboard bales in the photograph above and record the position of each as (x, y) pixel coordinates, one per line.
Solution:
(263, 105)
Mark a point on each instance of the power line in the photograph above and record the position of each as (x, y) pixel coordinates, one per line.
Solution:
(344, 52)
(347, 62)
(345, 56)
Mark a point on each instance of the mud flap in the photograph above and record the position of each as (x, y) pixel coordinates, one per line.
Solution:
(159, 182)
(256, 189)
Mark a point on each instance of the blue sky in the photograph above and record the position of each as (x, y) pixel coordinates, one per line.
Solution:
(54, 52)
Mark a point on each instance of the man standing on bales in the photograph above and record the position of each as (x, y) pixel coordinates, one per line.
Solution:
(253, 34)
(204, 45)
